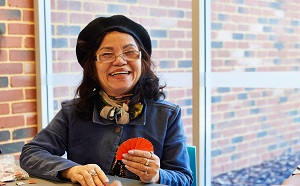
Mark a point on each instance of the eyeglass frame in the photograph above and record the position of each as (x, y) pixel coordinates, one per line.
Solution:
(97, 58)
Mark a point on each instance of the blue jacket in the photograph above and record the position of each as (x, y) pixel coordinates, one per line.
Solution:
(96, 142)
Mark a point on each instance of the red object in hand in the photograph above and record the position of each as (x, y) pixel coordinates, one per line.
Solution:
(138, 143)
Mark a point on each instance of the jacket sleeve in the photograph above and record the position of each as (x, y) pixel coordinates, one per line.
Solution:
(175, 163)
(42, 157)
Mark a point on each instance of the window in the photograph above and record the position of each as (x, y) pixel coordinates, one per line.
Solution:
(252, 93)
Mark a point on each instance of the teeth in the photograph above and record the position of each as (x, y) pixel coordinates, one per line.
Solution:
(117, 73)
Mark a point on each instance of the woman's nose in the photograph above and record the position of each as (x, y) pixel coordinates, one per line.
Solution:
(119, 61)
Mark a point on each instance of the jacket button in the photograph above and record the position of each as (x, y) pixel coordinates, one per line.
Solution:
(117, 130)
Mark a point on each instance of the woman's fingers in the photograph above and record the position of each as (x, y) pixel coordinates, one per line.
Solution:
(144, 164)
(141, 153)
(101, 175)
(86, 175)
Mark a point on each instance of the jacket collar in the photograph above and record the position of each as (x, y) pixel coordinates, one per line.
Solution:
(140, 120)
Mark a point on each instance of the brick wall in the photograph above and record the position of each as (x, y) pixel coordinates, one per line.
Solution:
(18, 117)
(251, 125)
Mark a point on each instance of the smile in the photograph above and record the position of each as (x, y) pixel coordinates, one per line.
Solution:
(119, 73)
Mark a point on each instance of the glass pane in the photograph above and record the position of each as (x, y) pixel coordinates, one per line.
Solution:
(255, 135)
(254, 131)
(255, 36)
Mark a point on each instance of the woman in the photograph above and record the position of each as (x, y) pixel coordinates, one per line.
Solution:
(119, 98)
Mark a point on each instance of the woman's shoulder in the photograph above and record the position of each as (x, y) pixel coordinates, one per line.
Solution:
(163, 103)
(69, 103)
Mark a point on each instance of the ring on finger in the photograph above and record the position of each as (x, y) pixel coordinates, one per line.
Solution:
(93, 172)
(147, 162)
(146, 171)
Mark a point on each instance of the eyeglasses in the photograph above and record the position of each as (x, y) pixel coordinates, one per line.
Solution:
(127, 55)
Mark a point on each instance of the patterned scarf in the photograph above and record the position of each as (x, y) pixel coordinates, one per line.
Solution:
(119, 109)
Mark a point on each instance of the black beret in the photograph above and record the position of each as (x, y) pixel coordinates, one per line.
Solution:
(102, 25)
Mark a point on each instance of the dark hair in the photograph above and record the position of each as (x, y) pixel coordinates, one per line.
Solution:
(147, 87)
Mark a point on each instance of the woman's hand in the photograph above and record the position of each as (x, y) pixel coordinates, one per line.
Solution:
(144, 164)
(293, 180)
(86, 175)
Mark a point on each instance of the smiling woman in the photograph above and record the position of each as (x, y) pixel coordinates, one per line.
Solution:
(119, 98)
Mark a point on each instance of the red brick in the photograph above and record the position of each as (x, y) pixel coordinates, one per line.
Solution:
(18, 28)
(59, 17)
(223, 54)
(20, 3)
(185, 44)
(94, 7)
(230, 9)
(159, 54)
(189, 16)
(11, 68)
(31, 119)
(217, 7)
(167, 44)
(61, 92)
(176, 94)
(12, 121)
(184, 4)
(10, 42)
(167, 3)
(75, 67)
(185, 24)
(72, 43)
(230, 27)
(176, 34)
(187, 122)
(11, 95)
(189, 54)
(188, 34)
(137, 10)
(175, 54)
(80, 18)
(66, 55)
(4, 109)
(29, 42)
(189, 140)
(53, 4)
(30, 94)
(23, 107)
(147, 2)
(23, 81)
(223, 159)
(229, 44)
(68, 5)
(60, 67)
(149, 22)
(158, 12)
(28, 15)
(29, 68)
(3, 55)
(21, 55)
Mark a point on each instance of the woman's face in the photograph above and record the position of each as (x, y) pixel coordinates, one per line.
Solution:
(120, 76)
